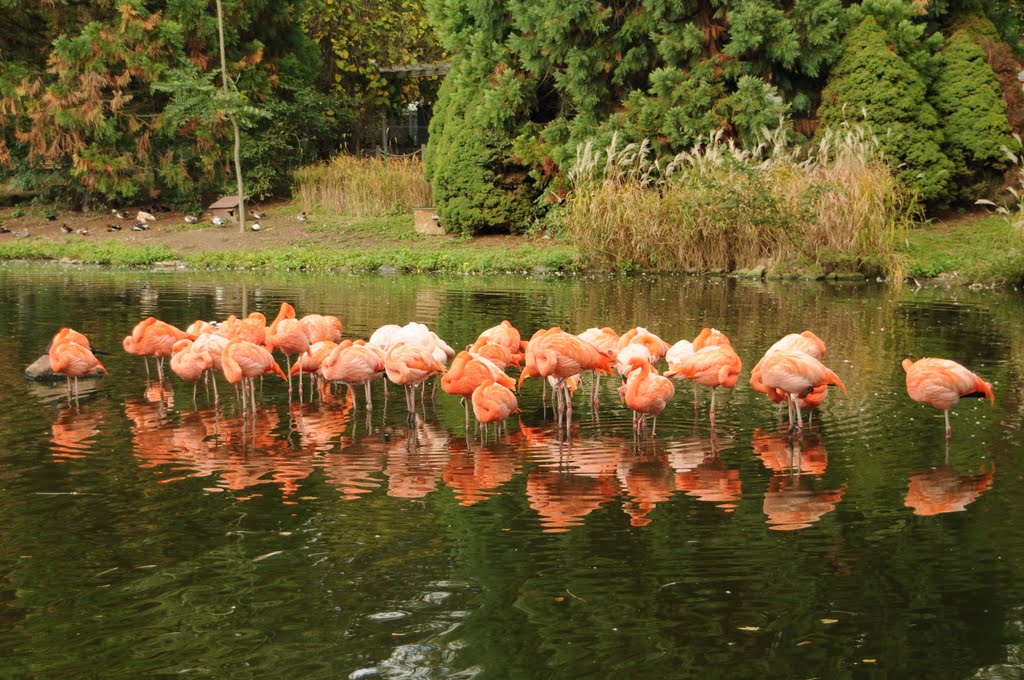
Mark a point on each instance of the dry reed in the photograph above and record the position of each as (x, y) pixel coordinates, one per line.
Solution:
(364, 187)
(720, 207)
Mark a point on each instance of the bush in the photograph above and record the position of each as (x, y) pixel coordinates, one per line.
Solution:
(718, 207)
(976, 131)
(873, 79)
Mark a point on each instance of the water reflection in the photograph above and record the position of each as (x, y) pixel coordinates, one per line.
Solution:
(943, 489)
(701, 473)
(74, 432)
(792, 500)
(476, 474)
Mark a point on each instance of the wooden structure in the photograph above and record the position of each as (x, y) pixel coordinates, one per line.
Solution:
(426, 221)
(227, 208)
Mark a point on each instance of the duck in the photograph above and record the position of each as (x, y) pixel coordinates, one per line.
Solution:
(143, 216)
(218, 221)
(140, 226)
(4, 230)
(257, 215)
(113, 227)
(256, 226)
(84, 231)
(119, 214)
(191, 219)
(65, 228)
(302, 216)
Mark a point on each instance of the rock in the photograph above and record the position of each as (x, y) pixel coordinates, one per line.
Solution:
(40, 371)
(754, 273)
(387, 270)
(20, 233)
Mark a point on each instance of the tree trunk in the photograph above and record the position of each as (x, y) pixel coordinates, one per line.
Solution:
(234, 122)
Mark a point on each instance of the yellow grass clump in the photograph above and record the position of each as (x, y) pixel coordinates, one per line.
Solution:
(364, 187)
(717, 207)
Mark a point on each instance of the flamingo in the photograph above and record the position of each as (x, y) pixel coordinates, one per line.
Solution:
(708, 337)
(310, 362)
(189, 363)
(806, 342)
(493, 403)
(213, 345)
(647, 393)
(153, 338)
(354, 365)
(469, 371)
(499, 355)
(289, 335)
(796, 374)
(504, 334)
(941, 383)
(606, 340)
(319, 328)
(641, 336)
(73, 360)
(409, 365)
(561, 355)
(199, 327)
(713, 367)
(243, 361)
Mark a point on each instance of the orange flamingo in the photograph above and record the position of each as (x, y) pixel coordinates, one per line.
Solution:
(708, 337)
(153, 338)
(69, 335)
(712, 367)
(941, 383)
(806, 342)
(504, 334)
(199, 327)
(560, 355)
(289, 335)
(73, 361)
(493, 403)
(409, 365)
(796, 374)
(320, 328)
(191, 364)
(647, 393)
(499, 355)
(641, 336)
(243, 361)
(310, 362)
(354, 365)
(469, 371)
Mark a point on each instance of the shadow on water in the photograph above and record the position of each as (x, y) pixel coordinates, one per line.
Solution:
(152, 534)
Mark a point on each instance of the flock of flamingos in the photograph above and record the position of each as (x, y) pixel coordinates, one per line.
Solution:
(790, 371)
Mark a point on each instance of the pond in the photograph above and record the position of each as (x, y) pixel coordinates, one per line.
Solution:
(147, 534)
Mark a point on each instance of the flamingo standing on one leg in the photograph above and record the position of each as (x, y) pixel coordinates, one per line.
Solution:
(712, 367)
(941, 383)
(469, 371)
(190, 364)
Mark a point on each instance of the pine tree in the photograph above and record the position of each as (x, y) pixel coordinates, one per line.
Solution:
(973, 114)
(871, 79)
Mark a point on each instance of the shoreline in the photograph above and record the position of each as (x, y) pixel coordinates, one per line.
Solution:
(977, 249)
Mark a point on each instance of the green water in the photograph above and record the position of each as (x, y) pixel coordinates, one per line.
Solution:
(147, 535)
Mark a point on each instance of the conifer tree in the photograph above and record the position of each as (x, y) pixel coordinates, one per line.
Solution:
(871, 79)
(973, 114)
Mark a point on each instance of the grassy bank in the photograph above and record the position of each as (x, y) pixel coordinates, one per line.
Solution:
(983, 249)
(447, 258)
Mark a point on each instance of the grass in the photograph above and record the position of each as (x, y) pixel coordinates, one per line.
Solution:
(984, 250)
(392, 228)
(363, 187)
(460, 259)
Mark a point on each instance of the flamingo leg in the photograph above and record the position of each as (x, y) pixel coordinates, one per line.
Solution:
(146, 359)
(696, 399)
(216, 397)
(288, 372)
(300, 379)
(713, 391)
(949, 430)
(369, 399)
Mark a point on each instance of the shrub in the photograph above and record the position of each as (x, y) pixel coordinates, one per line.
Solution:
(976, 131)
(873, 79)
(718, 207)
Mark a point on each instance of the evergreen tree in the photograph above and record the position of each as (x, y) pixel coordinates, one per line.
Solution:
(871, 79)
(973, 114)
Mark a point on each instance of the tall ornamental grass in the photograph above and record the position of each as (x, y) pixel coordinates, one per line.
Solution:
(363, 187)
(717, 207)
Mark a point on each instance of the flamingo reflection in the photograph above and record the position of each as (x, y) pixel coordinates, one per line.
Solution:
(474, 474)
(791, 501)
(648, 480)
(943, 489)
(74, 432)
(701, 473)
